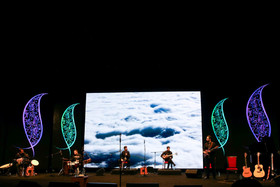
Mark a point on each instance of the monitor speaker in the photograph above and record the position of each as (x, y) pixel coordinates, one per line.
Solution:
(277, 180)
(193, 173)
(100, 172)
(28, 183)
(198, 185)
(101, 184)
(63, 184)
(142, 185)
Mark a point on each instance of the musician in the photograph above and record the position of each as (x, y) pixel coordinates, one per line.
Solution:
(166, 155)
(125, 157)
(210, 156)
(21, 161)
(77, 158)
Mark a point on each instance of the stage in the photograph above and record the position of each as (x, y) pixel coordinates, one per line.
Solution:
(163, 180)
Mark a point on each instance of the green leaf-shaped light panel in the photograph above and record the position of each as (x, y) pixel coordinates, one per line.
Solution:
(68, 127)
(219, 124)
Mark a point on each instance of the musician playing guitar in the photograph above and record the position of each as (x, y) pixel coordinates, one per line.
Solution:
(209, 156)
(125, 158)
(167, 156)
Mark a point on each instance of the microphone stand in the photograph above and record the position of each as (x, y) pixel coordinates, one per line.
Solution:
(120, 160)
(145, 169)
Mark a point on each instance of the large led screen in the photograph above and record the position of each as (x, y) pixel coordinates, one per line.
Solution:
(145, 122)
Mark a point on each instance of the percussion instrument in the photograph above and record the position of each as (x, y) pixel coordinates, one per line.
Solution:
(34, 162)
(74, 163)
(29, 171)
(5, 166)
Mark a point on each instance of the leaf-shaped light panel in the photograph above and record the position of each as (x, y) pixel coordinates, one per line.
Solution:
(219, 124)
(32, 122)
(68, 127)
(256, 115)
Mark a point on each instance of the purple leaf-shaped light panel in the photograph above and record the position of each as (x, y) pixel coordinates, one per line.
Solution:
(256, 116)
(32, 122)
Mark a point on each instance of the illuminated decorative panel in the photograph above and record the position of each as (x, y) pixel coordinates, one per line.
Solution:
(32, 122)
(256, 116)
(219, 124)
(68, 127)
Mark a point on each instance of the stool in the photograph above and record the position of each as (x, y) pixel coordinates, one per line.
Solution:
(164, 163)
(123, 163)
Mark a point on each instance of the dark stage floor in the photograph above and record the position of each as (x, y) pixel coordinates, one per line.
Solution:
(163, 180)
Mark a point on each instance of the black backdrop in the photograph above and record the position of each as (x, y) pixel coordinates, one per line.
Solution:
(70, 55)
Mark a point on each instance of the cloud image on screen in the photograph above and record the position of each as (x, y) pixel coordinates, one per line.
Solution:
(145, 122)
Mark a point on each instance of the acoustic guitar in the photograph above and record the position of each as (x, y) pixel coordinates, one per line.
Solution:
(166, 156)
(246, 170)
(259, 172)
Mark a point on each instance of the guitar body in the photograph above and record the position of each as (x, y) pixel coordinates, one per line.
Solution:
(246, 172)
(259, 172)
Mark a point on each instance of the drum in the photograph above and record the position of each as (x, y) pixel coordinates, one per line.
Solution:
(66, 167)
(34, 162)
(5, 166)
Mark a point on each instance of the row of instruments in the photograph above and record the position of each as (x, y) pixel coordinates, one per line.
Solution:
(259, 170)
(28, 171)
(68, 165)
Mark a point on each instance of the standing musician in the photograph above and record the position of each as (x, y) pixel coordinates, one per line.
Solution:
(21, 161)
(77, 160)
(167, 156)
(210, 156)
(125, 157)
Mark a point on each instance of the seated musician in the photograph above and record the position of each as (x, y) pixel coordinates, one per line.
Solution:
(21, 161)
(125, 157)
(167, 156)
(77, 160)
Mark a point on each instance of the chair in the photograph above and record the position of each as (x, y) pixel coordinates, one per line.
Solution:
(231, 161)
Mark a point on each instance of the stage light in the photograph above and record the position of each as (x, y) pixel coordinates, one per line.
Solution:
(219, 124)
(256, 115)
(32, 121)
(68, 127)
